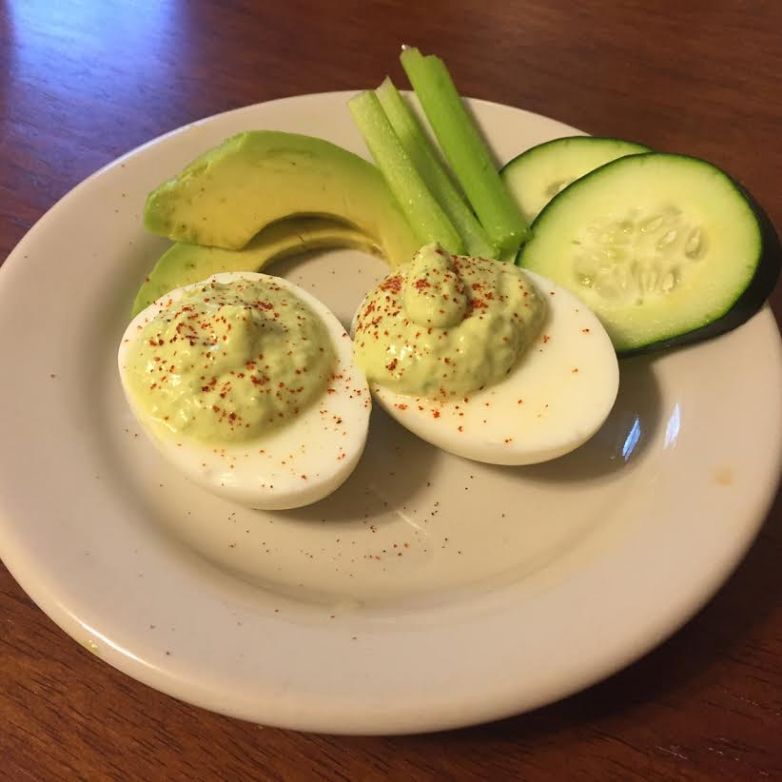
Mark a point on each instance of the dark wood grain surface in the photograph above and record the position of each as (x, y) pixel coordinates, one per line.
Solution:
(83, 81)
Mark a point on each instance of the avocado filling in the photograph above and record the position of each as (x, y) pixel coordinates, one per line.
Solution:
(446, 325)
(227, 363)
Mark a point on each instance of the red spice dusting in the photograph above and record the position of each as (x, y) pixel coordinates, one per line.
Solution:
(391, 365)
(393, 284)
(585, 331)
(401, 406)
(435, 413)
(546, 338)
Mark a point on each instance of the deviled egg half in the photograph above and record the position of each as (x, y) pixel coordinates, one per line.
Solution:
(485, 360)
(247, 384)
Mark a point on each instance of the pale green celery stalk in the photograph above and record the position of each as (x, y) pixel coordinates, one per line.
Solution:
(465, 150)
(424, 157)
(425, 215)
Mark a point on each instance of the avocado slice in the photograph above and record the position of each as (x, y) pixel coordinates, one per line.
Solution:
(233, 191)
(183, 264)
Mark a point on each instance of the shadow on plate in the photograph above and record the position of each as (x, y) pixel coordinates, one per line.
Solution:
(395, 465)
(624, 436)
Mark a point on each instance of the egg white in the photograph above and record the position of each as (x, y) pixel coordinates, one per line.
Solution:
(557, 396)
(297, 464)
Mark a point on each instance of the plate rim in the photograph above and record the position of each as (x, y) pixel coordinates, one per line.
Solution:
(21, 567)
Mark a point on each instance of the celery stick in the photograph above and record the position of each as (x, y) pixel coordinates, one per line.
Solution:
(465, 150)
(421, 152)
(426, 217)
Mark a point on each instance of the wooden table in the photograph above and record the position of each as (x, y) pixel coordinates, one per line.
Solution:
(86, 80)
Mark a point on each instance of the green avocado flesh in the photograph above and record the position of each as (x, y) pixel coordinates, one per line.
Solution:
(230, 193)
(183, 264)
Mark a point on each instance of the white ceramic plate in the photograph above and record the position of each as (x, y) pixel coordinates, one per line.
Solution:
(429, 592)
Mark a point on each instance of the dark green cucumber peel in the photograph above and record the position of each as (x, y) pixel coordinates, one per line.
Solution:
(564, 139)
(748, 299)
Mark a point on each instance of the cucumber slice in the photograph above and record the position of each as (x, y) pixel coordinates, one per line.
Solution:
(666, 249)
(534, 177)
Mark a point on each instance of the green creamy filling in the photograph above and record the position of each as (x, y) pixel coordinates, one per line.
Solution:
(446, 325)
(229, 362)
